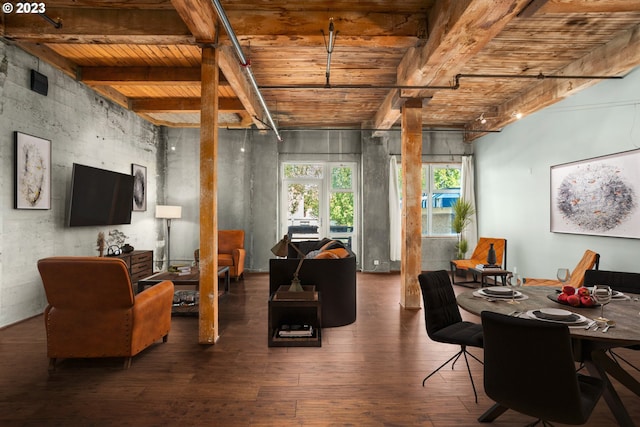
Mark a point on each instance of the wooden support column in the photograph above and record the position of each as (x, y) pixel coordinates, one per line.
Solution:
(411, 264)
(208, 323)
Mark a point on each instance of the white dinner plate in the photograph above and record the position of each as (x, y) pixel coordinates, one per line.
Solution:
(498, 290)
(556, 313)
(575, 320)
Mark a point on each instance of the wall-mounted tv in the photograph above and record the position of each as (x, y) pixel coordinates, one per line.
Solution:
(99, 197)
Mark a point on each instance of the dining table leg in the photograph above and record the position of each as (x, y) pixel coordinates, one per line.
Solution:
(597, 365)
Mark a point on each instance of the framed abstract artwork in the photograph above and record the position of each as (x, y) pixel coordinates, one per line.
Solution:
(32, 172)
(597, 196)
(139, 187)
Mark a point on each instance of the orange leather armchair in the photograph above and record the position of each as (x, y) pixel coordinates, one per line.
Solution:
(590, 260)
(479, 256)
(93, 311)
(231, 251)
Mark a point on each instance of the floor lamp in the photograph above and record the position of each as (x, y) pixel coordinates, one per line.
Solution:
(168, 213)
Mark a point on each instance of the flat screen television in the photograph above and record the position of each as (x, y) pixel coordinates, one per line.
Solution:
(99, 197)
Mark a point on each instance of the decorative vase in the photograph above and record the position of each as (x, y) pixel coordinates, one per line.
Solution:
(491, 256)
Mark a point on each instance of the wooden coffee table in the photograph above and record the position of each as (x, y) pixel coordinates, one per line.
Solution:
(185, 300)
(191, 279)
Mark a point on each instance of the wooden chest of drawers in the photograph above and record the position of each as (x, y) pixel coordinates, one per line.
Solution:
(139, 263)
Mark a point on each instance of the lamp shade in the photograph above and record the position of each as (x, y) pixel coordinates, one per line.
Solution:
(169, 212)
(282, 247)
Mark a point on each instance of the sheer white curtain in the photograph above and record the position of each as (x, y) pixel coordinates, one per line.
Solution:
(395, 212)
(469, 194)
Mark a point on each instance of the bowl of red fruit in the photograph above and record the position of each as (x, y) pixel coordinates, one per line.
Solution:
(575, 297)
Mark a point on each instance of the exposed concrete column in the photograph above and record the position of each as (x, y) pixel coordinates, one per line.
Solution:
(411, 150)
(208, 323)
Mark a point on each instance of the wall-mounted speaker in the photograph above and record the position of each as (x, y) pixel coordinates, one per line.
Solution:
(39, 83)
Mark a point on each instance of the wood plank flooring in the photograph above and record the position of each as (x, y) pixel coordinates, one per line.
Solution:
(365, 374)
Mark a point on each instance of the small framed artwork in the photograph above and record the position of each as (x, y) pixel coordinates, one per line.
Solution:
(139, 187)
(32, 172)
(597, 196)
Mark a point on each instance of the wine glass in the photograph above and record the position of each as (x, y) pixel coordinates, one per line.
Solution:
(514, 281)
(602, 295)
(563, 275)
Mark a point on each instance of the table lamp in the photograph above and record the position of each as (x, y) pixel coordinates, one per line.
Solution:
(168, 212)
(281, 249)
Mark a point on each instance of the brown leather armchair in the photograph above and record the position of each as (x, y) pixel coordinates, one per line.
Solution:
(231, 251)
(93, 311)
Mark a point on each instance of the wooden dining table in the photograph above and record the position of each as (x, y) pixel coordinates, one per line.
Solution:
(590, 347)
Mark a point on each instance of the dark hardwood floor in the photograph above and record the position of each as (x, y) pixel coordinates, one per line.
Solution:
(365, 374)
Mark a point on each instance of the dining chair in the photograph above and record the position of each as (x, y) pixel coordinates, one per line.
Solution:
(443, 321)
(621, 281)
(529, 368)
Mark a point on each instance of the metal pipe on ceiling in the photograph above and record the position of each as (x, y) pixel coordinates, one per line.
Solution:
(353, 86)
(243, 61)
(538, 76)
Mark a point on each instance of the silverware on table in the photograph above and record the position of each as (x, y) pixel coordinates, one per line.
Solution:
(590, 324)
(610, 324)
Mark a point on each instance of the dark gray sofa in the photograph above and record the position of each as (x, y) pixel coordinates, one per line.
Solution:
(335, 279)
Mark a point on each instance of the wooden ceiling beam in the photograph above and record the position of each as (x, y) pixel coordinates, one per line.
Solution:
(589, 6)
(236, 76)
(459, 30)
(111, 94)
(316, 41)
(347, 23)
(99, 26)
(169, 105)
(615, 58)
(200, 17)
(139, 75)
(48, 55)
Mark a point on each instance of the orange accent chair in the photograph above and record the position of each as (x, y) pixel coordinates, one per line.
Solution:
(590, 260)
(479, 256)
(231, 251)
(93, 311)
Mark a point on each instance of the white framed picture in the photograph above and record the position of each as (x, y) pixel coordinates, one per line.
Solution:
(139, 187)
(32, 172)
(597, 196)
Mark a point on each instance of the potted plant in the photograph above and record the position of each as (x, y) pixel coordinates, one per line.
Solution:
(463, 212)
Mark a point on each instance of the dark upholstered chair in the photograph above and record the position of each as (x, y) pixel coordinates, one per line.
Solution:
(443, 320)
(529, 367)
(619, 281)
(335, 279)
(93, 311)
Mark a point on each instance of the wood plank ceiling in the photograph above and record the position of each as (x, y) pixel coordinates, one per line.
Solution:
(468, 57)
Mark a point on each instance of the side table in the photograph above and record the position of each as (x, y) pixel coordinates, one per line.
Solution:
(287, 309)
(490, 272)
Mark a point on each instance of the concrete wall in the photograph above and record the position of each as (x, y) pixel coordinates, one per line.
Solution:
(513, 176)
(249, 190)
(83, 128)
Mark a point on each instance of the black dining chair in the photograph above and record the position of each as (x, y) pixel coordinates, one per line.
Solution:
(443, 320)
(619, 281)
(529, 368)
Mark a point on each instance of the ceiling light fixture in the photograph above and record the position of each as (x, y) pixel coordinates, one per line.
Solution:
(482, 119)
(329, 46)
(517, 115)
